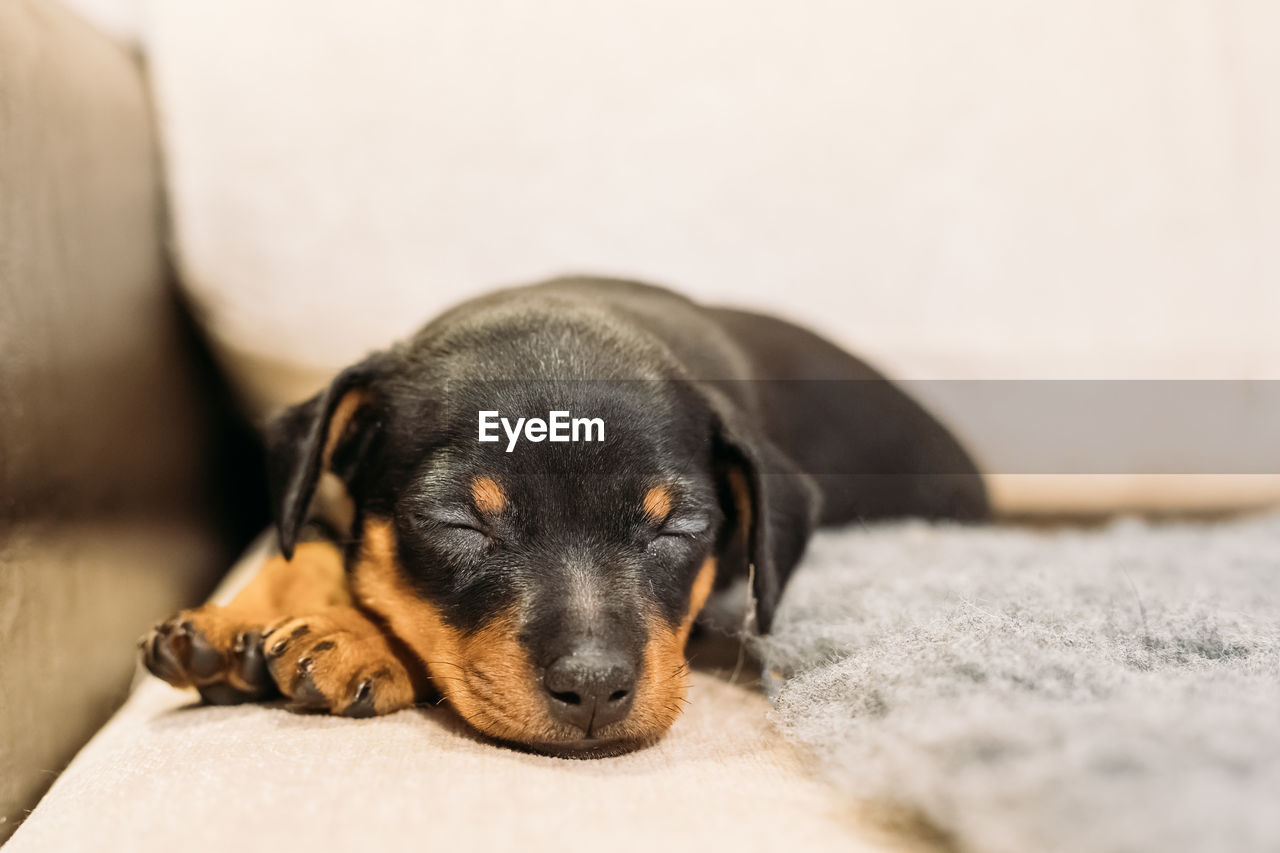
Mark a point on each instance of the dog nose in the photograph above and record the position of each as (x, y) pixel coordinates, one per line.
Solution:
(590, 688)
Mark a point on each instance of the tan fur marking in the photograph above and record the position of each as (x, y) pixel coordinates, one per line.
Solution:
(657, 503)
(487, 676)
(701, 591)
(313, 580)
(488, 496)
(309, 591)
(350, 403)
(309, 583)
(665, 679)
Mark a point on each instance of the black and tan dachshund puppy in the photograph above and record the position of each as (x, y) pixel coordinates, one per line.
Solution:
(548, 482)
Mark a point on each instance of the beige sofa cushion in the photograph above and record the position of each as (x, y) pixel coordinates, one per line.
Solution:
(167, 773)
(956, 191)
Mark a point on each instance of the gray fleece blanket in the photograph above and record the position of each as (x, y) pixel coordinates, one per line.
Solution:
(1014, 690)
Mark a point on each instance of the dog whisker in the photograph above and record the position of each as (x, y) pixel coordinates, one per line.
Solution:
(444, 663)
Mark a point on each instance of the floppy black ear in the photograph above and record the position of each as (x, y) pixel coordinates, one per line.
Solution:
(772, 503)
(330, 432)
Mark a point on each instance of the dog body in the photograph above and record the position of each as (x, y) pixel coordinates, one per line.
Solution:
(545, 580)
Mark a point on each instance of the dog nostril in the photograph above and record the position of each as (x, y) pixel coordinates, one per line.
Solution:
(590, 688)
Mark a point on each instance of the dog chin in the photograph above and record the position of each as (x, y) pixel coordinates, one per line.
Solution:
(585, 747)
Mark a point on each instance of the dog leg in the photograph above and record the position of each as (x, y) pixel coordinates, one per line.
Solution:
(334, 659)
(338, 661)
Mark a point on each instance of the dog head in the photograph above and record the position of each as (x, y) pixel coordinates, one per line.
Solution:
(549, 587)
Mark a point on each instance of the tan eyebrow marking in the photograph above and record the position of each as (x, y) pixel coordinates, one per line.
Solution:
(488, 496)
(657, 503)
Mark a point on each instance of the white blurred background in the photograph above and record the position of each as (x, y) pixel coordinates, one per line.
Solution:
(991, 189)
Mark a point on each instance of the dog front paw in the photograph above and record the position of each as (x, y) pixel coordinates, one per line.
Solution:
(211, 651)
(338, 662)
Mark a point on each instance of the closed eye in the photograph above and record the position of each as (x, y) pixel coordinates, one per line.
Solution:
(457, 521)
(465, 537)
(472, 539)
(684, 526)
(472, 528)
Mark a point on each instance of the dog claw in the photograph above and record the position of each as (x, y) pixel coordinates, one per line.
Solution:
(204, 660)
(306, 696)
(252, 667)
(162, 659)
(278, 647)
(362, 705)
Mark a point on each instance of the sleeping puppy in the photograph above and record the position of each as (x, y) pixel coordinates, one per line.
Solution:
(547, 483)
